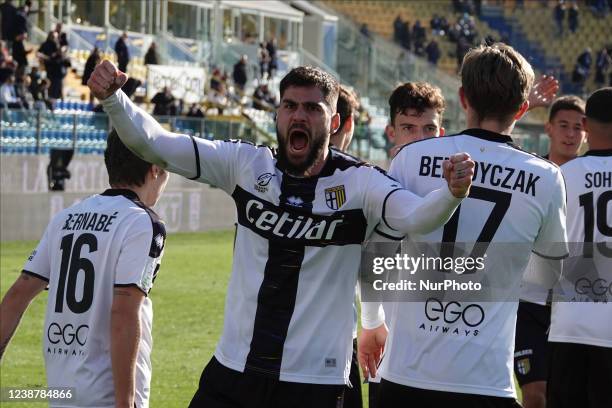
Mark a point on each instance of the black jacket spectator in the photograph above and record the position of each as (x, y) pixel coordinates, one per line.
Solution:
(240, 73)
(55, 64)
(150, 57)
(433, 52)
(20, 25)
(123, 53)
(8, 12)
(195, 111)
(93, 60)
(273, 62)
(263, 99)
(572, 18)
(20, 55)
(163, 102)
(398, 29)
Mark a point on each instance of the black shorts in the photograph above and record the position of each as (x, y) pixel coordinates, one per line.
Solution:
(531, 343)
(373, 388)
(392, 395)
(352, 394)
(222, 387)
(580, 376)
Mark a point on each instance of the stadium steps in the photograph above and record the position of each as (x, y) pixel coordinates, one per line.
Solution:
(538, 25)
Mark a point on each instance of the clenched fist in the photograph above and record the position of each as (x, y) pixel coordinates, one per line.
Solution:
(105, 80)
(458, 172)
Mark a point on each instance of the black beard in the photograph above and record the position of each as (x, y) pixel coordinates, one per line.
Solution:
(317, 144)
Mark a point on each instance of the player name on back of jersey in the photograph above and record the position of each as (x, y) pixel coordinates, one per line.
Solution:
(89, 221)
(598, 179)
(486, 173)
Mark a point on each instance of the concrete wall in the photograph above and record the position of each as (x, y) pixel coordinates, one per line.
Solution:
(26, 205)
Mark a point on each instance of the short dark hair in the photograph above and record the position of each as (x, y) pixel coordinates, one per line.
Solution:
(415, 95)
(568, 102)
(496, 81)
(347, 105)
(123, 166)
(307, 76)
(598, 106)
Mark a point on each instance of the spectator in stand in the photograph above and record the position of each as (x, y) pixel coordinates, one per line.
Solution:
(62, 37)
(8, 12)
(572, 17)
(263, 98)
(217, 97)
(272, 48)
(602, 66)
(463, 46)
(582, 69)
(433, 52)
(20, 25)
(8, 95)
(151, 57)
(22, 85)
(123, 52)
(240, 73)
(263, 58)
(163, 101)
(458, 6)
(50, 53)
(559, 16)
(39, 89)
(195, 111)
(418, 33)
(398, 29)
(20, 54)
(406, 41)
(444, 26)
(365, 30)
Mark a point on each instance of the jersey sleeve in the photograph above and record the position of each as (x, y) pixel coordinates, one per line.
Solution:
(551, 241)
(38, 263)
(212, 162)
(141, 253)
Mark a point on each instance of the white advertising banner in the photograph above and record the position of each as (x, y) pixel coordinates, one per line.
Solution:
(186, 83)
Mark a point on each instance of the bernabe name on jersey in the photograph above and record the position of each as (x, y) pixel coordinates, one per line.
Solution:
(486, 173)
(89, 221)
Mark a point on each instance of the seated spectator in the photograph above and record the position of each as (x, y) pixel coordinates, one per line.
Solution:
(22, 85)
(602, 66)
(8, 95)
(151, 57)
(163, 102)
(263, 98)
(195, 111)
(217, 98)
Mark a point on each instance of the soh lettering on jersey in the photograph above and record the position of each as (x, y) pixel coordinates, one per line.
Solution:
(486, 173)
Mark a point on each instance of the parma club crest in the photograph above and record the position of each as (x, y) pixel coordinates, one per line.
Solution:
(335, 197)
(523, 366)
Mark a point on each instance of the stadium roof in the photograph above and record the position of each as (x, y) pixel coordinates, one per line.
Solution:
(268, 7)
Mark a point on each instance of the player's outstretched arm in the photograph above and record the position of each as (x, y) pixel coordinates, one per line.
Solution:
(15, 303)
(408, 213)
(125, 339)
(136, 128)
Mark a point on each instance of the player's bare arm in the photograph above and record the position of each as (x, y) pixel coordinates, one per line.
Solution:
(15, 303)
(125, 338)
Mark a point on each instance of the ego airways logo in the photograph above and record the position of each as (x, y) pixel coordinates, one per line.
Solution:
(68, 334)
(471, 314)
(596, 287)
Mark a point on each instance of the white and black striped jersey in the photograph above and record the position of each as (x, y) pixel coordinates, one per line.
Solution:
(107, 240)
(289, 304)
(518, 199)
(585, 316)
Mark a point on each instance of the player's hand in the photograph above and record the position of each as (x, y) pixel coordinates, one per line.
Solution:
(458, 172)
(105, 80)
(543, 91)
(370, 347)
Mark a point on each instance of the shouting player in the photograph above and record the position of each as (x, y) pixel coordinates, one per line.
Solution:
(99, 259)
(303, 212)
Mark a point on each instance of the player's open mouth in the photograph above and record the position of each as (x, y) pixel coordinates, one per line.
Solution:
(298, 141)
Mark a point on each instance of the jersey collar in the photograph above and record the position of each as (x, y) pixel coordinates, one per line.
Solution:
(488, 135)
(602, 152)
(121, 191)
